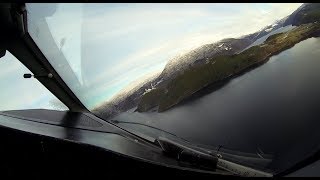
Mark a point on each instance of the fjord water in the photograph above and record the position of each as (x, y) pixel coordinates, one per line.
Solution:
(274, 107)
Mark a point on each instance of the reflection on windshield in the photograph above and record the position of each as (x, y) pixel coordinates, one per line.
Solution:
(215, 74)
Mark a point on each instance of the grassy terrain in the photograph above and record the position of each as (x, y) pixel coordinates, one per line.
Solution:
(222, 67)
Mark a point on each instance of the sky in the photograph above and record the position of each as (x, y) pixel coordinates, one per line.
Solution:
(117, 44)
(18, 93)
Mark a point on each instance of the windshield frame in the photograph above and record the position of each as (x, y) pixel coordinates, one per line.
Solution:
(29, 54)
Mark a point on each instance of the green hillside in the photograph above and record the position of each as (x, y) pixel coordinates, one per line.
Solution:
(222, 67)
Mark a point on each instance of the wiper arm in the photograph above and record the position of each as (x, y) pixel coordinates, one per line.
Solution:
(146, 125)
(186, 154)
(202, 159)
(196, 157)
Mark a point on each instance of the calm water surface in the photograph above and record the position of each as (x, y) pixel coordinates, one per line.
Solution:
(274, 107)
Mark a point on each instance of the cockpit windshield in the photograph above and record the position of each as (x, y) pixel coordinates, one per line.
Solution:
(241, 76)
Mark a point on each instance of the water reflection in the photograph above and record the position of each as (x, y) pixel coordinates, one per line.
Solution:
(273, 107)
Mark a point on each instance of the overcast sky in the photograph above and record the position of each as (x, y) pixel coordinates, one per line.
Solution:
(120, 43)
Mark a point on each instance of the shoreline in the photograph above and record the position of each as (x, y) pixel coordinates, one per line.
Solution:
(211, 87)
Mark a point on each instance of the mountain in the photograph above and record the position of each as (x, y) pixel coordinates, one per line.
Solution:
(227, 46)
(128, 97)
(306, 13)
(149, 92)
(201, 54)
(210, 63)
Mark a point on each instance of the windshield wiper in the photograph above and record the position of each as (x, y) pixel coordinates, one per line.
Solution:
(191, 155)
(203, 159)
(146, 125)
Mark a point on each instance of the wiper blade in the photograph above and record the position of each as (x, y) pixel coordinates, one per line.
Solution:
(186, 154)
(195, 156)
(203, 159)
(146, 125)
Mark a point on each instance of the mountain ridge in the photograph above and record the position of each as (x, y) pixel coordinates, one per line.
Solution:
(223, 67)
(200, 56)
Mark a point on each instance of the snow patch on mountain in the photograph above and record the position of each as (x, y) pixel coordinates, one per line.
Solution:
(148, 90)
(269, 29)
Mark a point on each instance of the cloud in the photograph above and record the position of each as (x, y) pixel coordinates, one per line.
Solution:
(248, 21)
(125, 21)
(124, 41)
(211, 26)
